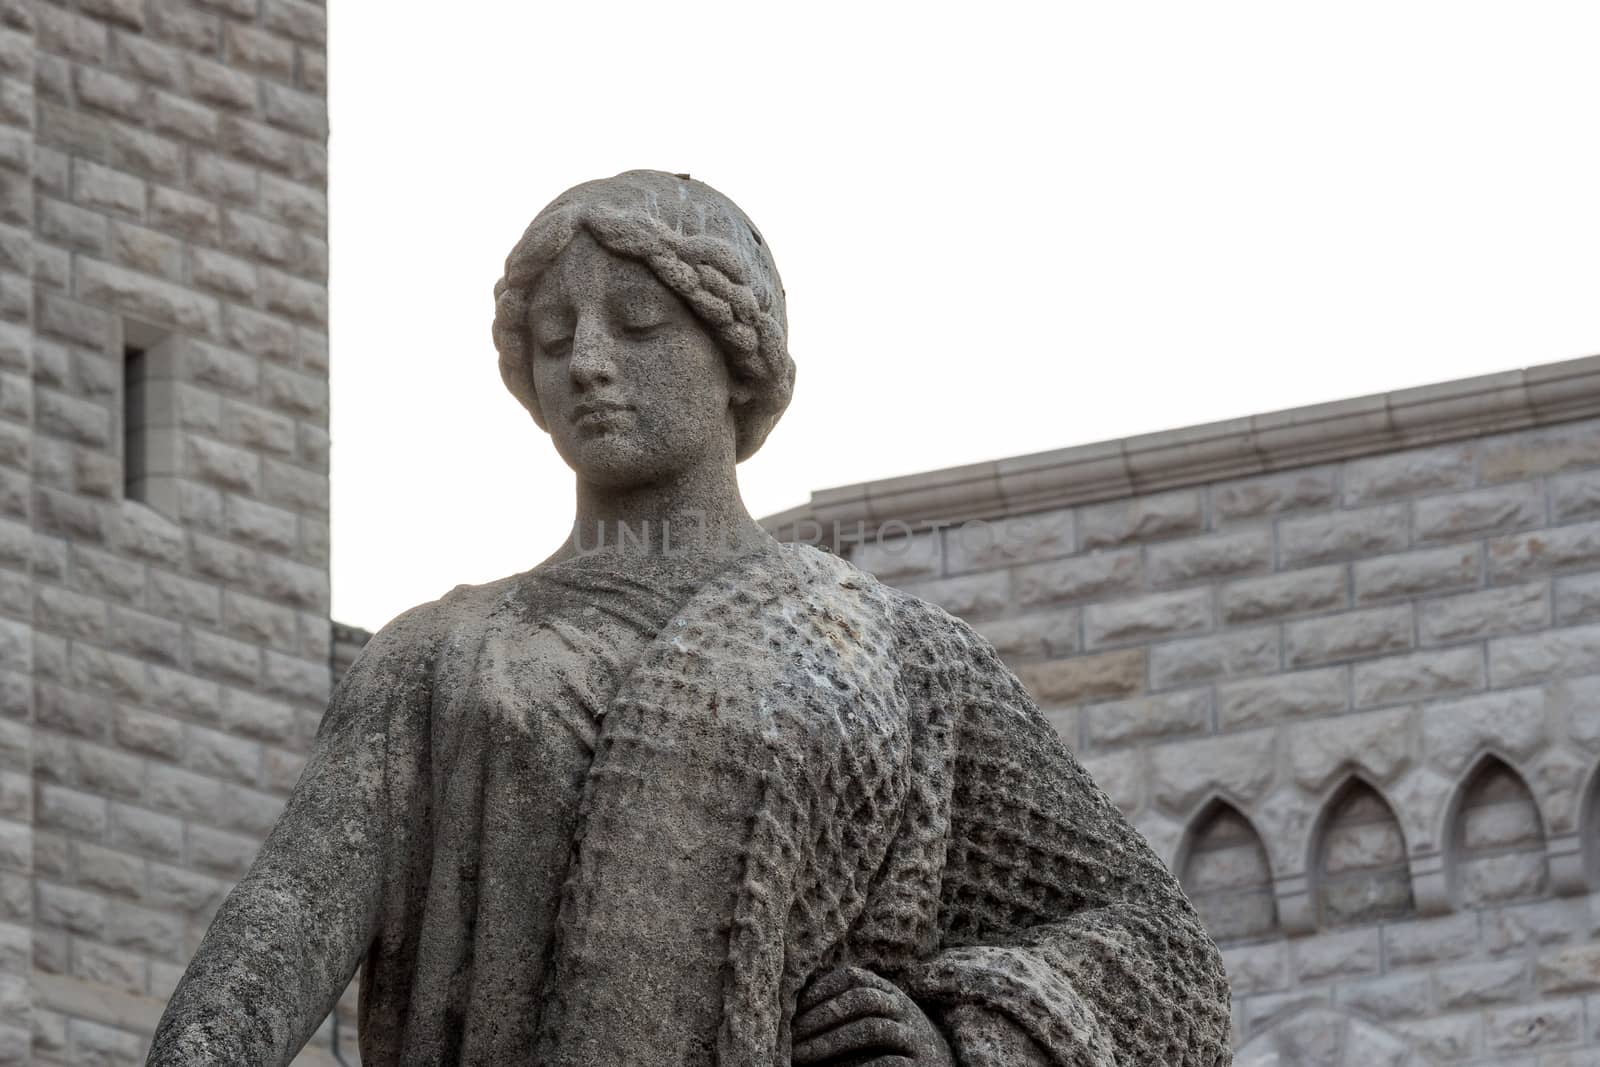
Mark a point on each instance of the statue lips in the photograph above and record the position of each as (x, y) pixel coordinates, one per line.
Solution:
(596, 414)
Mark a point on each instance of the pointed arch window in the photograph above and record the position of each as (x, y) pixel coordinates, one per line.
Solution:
(1497, 841)
(1227, 876)
(1362, 871)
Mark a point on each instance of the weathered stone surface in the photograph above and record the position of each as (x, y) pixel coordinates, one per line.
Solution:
(1547, 922)
(1406, 996)
(1421, 674)
(1209, 558)
(1526, 555)
(1532, 453)
(1021, 539)
(1274, 494)
(1482, 511)
(1574, 497)
(1079, 578)
(1105, 676)
(904, 558)
(1147, 617)
(1228, 876)
(148, 298)
(1380, 743)
(970, 596)
(1498, 812)
(1122, 775)
(1240, 766)
(120, 145)
(850, 684)
(252, 49)
(1473, 985)
(131, 170)
(1571, 702)
(1337, 955)
(1515, 609)
(1455, 731)
(1035, 636)
(146, 250)
(191, 217)
(1210, 658)
(1343, 535)
(1349, 635)
(1494, 879)
(1295, 695)
(1447, 1039)
(302, 21)
(1554, 1023)
(1569, 970)
(1145, 718)
(107, 92)
(1406, 474)
(1429, 941)
(1144, 518)
(1577, 599)
(102, 188)
(1256, 968)
(223, 466)
(1572, 650)
(1300, 592)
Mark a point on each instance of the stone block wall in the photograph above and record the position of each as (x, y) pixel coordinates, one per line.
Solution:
(165, 645)
(1355, 703)
(16, 533)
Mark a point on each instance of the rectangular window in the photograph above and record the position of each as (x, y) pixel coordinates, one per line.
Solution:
(150, 418)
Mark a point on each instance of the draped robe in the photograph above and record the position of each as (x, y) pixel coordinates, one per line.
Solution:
(577, 817)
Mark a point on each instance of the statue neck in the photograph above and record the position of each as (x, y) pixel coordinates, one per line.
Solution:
(697, 515)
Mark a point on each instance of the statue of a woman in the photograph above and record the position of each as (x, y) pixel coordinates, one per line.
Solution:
(682, 795)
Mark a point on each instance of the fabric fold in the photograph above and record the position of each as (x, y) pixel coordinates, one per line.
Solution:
(793, 767)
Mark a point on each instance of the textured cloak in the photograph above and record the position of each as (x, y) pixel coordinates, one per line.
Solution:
(804, 769)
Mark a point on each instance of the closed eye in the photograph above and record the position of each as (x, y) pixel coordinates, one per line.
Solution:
(555, 347)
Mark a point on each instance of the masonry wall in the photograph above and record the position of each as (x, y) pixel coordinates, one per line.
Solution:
(16, 534)
(1357, 706)
(165, 655)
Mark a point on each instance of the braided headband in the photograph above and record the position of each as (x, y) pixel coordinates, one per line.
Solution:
(706, 272)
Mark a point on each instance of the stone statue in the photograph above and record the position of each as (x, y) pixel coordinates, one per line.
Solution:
(680, 794)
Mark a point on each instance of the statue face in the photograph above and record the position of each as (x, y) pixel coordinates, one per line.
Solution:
(632, 388)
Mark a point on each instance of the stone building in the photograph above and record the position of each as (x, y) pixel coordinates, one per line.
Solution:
(164, 635)
(1341, 664)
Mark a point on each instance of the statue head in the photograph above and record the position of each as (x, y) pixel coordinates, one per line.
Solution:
(685, 237)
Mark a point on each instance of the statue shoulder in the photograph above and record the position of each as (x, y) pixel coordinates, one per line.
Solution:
(926, 633)
(923, 630)
(415, 635)
(919, 617)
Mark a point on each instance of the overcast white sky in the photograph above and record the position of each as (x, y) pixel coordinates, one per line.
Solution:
(1003, 228)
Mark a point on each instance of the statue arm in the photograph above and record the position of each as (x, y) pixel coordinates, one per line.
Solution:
(1066, 940)
(286, 941)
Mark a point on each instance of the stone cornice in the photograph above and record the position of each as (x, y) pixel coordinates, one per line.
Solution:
(1279, 440)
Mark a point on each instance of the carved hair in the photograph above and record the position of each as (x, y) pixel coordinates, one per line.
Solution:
(699, 245)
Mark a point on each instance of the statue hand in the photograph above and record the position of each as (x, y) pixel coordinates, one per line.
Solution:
(852, 1017)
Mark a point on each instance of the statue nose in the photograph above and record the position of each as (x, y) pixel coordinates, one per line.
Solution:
(593, 355)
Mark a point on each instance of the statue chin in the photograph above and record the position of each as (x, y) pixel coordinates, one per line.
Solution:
(607, 466)
(616, 464)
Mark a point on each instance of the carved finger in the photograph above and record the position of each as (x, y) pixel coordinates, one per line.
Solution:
(835, 982)
(851, 1004)
(874, 1034)
(878, 981)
